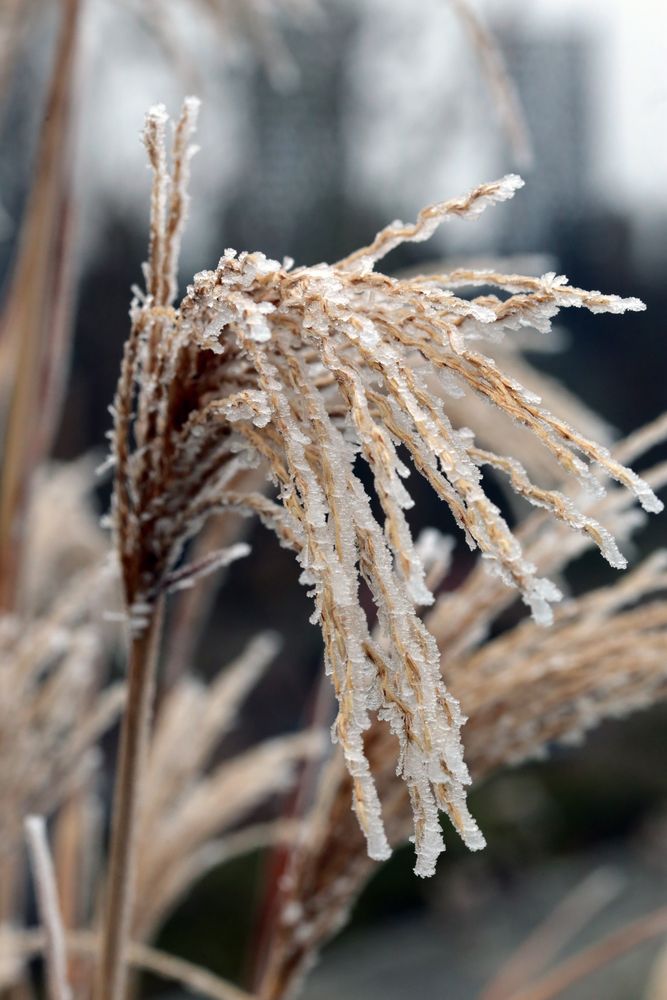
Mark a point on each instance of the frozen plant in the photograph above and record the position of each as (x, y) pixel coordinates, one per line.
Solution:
(525, 691)
(301, 372)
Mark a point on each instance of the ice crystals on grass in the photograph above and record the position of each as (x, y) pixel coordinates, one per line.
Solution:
(308, 373)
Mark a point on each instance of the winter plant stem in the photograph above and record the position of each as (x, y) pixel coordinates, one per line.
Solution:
(111, 972)
(36, 317)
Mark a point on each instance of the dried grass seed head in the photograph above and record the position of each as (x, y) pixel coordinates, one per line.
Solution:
(303, 371)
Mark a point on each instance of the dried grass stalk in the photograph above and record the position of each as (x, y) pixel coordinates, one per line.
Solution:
(501, 85)
(36, 316)
(77, 854)
(121, 873)
(589, 960)
(562, 925)
(14, 17)
(16, 947)
(49, 910)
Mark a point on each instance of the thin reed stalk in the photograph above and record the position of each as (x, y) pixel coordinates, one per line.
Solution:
(36, 317)
(501, 85)
(13, 18)
(111, 971)
(589, 960)
(49, 910)
(562, 925)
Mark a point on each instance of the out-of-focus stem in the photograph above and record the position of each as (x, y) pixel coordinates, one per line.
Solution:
(12, 21)
(111, 970)
(585, 962)
(76, 845)
(49, 911)
(35, 320)
(192, 977)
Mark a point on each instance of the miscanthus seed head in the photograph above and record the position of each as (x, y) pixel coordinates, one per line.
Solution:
(302, 372)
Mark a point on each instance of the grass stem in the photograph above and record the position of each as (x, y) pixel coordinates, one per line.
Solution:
(111, 971)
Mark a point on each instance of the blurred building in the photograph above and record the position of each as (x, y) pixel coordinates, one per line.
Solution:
(291, 199)
(552, 75)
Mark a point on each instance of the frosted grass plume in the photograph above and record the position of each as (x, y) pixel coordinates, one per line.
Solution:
(301, 371)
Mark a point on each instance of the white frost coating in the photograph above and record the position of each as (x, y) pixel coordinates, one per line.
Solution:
(435, 551)
(250, 405)
(647, 498)
(186, 577)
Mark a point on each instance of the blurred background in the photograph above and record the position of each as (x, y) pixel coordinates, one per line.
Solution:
(315, 131)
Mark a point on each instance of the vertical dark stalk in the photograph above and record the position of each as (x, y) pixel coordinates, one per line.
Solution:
(111, 970)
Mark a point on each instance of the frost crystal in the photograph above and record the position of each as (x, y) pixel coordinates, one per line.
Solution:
(301, 372)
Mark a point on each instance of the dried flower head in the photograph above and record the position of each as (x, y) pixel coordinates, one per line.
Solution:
(306, 371)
